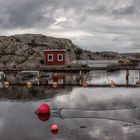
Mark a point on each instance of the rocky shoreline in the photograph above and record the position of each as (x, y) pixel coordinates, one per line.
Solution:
(26, 50)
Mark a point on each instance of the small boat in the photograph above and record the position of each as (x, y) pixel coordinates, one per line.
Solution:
(27, 74)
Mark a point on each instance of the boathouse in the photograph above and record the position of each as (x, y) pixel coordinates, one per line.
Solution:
(54, 57)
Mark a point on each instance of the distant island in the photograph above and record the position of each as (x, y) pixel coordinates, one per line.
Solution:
(26, 50)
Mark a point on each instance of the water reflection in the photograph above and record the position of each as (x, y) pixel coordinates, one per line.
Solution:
(22, 92)
(102, 98)
(43, 116)
(20, 114)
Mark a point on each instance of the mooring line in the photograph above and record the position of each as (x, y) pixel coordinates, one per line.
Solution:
(97, 109)
(58, 113)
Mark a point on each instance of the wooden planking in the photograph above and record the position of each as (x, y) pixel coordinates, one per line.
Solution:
(71, 69)
(78, 85)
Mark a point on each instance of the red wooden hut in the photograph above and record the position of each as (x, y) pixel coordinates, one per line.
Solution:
(54, 57)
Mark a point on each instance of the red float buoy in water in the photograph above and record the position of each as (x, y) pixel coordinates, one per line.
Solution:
(43, 116)
(44, 108)
(54, 129)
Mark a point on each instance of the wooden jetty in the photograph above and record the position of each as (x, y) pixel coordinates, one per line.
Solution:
(80, 70)
(73, 69)
(77, 85)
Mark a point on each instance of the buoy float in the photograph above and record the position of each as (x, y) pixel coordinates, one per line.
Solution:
(29, 85)
(43, 116)
(6, 84)
(138, 83)
(44, 108)
(54, 84)
(113, 84)
(54, 129)
(84, 84)
(55, 74)
(43, 112)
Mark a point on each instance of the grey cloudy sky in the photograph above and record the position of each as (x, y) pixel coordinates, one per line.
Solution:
(98, 25)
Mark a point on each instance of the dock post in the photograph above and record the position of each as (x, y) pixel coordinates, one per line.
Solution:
(81, 78)
(80, 73)
(38, 76)
(139, 74)
(127, 77)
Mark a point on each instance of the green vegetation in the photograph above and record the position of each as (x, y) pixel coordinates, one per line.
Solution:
(78, 51)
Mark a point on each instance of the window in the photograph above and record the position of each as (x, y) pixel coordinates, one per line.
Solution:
(50, 57)
(60, 57)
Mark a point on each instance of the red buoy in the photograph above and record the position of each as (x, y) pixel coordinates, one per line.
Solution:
(44, 108)
(43, 116)
(54, 129)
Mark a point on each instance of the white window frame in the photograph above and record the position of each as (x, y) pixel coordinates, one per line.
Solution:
(60, 59)
(50, 60)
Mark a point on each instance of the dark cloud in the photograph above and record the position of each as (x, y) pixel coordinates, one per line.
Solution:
(25, 14)
(102, 23)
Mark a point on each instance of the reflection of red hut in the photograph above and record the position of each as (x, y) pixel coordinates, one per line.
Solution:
(54, 57)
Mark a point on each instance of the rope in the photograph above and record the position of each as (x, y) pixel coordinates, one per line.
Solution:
(59, 114)
(101, 118)
(98, 109)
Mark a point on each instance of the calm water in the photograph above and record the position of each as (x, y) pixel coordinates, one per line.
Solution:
(18, 120)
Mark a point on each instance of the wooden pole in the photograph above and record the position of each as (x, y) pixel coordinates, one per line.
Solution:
(39, 77)
(139, 74)
(81, 77)
(127, 77)
(80, 73)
